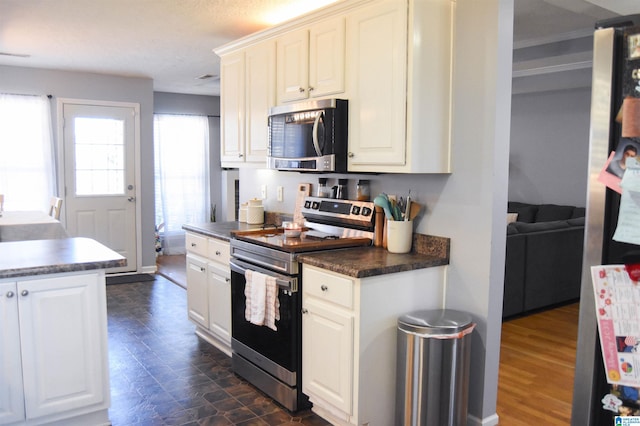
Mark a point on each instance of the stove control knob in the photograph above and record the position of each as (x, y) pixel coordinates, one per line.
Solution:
(366, 211)
(355, 210)
(315, 205)
(307, 204)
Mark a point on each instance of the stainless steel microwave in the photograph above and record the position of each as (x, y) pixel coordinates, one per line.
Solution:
(309, 136)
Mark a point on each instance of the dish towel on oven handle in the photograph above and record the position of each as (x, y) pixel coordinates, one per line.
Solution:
(262, 306)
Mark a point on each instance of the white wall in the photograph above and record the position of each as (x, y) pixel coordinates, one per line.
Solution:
(89, 86)
(548, 162)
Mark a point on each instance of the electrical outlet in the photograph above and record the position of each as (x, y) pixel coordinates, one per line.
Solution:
(263, 192)
(280, 193)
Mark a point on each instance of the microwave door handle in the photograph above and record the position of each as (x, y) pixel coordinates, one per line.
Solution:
(316, 145)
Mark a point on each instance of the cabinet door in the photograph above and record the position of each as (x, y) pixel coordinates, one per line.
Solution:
(232, 107)
(11, 391)
(63, 327)
(260, 81)
(327, 353)
(376, 74)
(220, 302)
(326, 57)
(292, 64)
(197, 292)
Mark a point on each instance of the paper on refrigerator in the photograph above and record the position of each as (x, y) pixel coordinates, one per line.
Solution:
(617, 299)
(627, 230)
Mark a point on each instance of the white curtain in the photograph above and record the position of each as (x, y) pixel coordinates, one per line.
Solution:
(27, 163)
(181, 176)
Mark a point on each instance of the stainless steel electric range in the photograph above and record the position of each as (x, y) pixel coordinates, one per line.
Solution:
(272, 359)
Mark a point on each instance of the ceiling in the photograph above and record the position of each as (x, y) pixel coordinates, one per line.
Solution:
(171, 41)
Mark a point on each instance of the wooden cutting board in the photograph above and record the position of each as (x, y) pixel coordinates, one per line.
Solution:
(304, 190)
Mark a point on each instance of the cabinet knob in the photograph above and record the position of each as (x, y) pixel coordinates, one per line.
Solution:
(300, 89)
(227, 279)
(202, 269)
(324, 287)
(304, 311)
(217, 252)
(10, 294)
(240, 155)
(311, 88)
(350, 154)
(25, 292)
(193, 244)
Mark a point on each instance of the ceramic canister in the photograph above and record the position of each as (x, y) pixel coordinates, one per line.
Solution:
(255, 215)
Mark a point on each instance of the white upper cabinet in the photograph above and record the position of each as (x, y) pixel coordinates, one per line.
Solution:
(376, 72)
(310, 61)
(247, 91)
(260, 68)
(399, 77)
(232, 109)
(391, 59)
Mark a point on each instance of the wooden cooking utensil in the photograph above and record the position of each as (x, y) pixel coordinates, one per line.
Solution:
(415, 209)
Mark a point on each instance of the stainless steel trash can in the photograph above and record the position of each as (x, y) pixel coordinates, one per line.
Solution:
(434, 350)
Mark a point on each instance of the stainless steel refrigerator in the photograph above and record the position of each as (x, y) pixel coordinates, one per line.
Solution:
(616, 77)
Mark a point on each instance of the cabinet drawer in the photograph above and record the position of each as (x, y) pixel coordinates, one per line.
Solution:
(329, 287)
(196, 244)
(219, 251)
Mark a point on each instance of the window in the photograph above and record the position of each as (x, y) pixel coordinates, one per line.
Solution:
(181, 176)
(27, 172)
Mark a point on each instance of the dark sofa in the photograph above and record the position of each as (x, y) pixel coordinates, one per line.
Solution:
(543, 264)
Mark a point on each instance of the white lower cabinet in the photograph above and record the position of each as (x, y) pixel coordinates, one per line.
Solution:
(220, 302)
(53, 350)
(209, 289)
(349, 332)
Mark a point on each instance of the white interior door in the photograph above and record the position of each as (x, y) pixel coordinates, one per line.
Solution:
(100, 190)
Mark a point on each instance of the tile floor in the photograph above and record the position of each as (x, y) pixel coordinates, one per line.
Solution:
(163, 374)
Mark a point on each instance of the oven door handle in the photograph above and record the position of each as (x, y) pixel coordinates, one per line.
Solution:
(283, 281)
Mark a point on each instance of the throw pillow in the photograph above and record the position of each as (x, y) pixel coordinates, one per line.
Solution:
(512, 217)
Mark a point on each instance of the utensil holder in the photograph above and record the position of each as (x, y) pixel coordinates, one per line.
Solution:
(399, 235)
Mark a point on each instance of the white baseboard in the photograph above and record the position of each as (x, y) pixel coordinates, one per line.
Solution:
(149, 269)
(491, 420)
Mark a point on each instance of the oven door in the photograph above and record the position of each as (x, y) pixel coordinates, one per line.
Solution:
(276, 352)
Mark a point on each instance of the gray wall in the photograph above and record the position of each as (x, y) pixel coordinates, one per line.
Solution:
(89, 86)
(548, 161)
(175, 103)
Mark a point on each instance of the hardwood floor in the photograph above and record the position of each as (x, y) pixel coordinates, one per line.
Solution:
(537, 361)
(173, 268)
(537, 357)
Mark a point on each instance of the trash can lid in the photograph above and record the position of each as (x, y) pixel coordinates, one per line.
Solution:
(437, 322)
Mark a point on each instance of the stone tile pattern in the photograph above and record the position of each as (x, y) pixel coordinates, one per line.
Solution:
(163, 374)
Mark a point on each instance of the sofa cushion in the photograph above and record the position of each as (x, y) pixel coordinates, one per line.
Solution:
(576, 221)
(541, 226)
(512, 228)
(526, 212)
(549, 212)
(578, 212)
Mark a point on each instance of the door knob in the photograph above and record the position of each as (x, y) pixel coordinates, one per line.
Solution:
(131, 199)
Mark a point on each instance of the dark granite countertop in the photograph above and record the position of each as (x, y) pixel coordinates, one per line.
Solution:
(219, 230)
(40, 257)
(361, 262)
(428, 251)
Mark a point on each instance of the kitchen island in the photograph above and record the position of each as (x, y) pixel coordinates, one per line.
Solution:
(53, 341)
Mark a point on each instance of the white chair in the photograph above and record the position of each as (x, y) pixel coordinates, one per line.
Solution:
(55, 206)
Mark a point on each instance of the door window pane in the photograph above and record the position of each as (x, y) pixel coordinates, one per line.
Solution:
(99, 156)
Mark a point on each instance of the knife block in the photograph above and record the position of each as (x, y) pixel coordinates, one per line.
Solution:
(378, 232)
